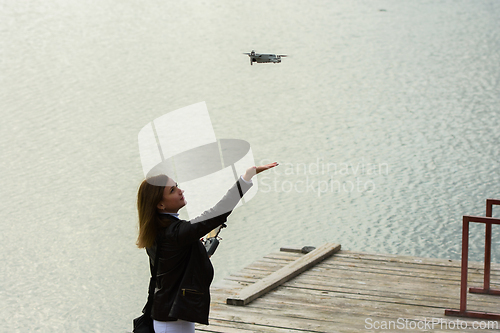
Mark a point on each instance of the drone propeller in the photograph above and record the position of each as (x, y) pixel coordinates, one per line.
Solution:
(250, 55)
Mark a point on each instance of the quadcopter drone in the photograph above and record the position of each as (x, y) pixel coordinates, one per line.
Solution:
(258, 57)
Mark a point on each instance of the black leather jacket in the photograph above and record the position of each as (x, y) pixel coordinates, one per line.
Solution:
(184, 269)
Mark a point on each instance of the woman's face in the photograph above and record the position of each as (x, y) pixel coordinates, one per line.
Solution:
(172, 200)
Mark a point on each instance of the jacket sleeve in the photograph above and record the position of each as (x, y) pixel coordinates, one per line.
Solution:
(198, 227)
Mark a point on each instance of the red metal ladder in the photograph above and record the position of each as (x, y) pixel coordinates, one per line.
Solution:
(488, 221)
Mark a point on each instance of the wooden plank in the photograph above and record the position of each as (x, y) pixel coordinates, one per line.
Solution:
(243, 326)
(219, 329)
(411, 260)
(282, 275)
(363, 265)
(435, 275)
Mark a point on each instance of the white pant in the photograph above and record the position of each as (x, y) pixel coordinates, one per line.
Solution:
(179, 326)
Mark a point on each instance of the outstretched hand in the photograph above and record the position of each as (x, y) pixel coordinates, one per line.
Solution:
(252, 171)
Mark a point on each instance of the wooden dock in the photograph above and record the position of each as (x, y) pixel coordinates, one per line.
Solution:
(353, 292)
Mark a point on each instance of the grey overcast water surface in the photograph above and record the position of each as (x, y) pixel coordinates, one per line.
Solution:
(385, 119)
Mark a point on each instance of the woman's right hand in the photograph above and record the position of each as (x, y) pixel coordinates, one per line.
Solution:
(252, 171)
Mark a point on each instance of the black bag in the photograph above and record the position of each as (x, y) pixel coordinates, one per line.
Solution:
(144, 323)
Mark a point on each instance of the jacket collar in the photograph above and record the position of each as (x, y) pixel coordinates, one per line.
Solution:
(175, 215)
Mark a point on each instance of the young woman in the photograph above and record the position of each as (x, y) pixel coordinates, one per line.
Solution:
(184, 270)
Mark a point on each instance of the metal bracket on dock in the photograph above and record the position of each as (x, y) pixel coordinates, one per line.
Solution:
(282, 275)
(304, 249)
(488, 221)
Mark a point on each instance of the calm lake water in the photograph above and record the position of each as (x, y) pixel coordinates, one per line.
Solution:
(385, 118)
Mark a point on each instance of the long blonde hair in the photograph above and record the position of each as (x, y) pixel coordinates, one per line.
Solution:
(148, 197)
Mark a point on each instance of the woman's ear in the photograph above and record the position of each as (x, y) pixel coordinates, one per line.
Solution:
(160, 205)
